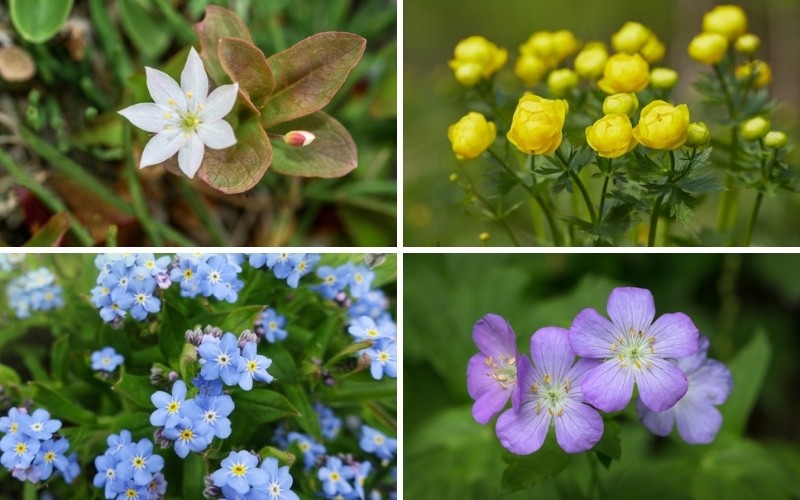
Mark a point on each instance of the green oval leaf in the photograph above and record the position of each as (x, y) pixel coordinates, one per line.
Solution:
(309, 73)
(240, 167)
(244, 63)
(218, 23)
(39, 20)
(332, 154)
(137, 388)
(147, 30)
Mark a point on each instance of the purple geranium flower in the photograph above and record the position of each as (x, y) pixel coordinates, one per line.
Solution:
(549, 392)
(633, 348)
(492, 373)
(698, 420)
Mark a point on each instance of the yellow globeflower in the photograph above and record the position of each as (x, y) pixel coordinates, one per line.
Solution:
(530, 69)
(662, 125)
(630, 38)
(758, 70)
(590, 62)
(540, 44)
(611, 136)
(564, 44)
(748, 44)
(698, 135)
(537, 123)
(559, 81)
(708, 48)
(471, 136)
(653, 51)
(477, 58)
(625, 73)
(729, 21)
(663, 78)
(625, 104)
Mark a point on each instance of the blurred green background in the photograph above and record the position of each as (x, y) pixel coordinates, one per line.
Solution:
(748, 305)
(433, 100)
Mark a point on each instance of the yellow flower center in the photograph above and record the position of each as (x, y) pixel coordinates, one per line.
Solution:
(173, 406)
(49, 456)
(186, 434)
(238, 469)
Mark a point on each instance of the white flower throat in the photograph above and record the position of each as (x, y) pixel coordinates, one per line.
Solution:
(634, 349)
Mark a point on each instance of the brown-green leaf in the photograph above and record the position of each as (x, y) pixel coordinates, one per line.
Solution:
(240, 167)
(52, 233)
(309, 73)
(332, 154)
(245, 63)
(218, 23)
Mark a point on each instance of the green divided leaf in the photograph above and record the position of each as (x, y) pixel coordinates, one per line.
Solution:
(240, 167)
(218, 23)
(136, 388)
(59, 406)
(332, 154)
(525, 471)
(39, 20)
(244, 63)
(308, 74)
(749, 369)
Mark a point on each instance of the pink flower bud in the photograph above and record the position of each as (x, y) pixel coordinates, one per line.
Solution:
(299, 138)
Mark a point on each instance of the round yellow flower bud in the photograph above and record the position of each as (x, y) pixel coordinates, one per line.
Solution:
(758, 70)
(630, 38)
(698, 135)
(564, 44)
(611, 136)
(625, 104)
(708, 48)
(663, 78)
(755, 128)
(775, 139)
(748, 44)
(539, 44)
(475, 55)
(662, 125)
(453, 177)
(729, 21)
(625, 73)
(561, 80)
(653, 51)
(590, 62)
(530, 69)
(537, 123)
(471, 136)
(484, 237)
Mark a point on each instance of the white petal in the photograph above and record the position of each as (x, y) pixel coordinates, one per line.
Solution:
(216, 135)
(149, 117)
(191, 156)
(194, 80)
(164, 90)
(219, 103)
(162, 146)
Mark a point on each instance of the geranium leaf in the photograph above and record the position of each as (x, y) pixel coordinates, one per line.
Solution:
(245, 63)
(218, 23)
(240, 167)
(332, 154)
(309, 73)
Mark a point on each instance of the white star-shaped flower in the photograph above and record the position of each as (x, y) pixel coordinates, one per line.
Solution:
(185, 118)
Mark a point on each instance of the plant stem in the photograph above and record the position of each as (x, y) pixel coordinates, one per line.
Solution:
(545, 208)
(651, 238)
(753, 218)
(579, 183)
(605, 189)
(729, 198)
